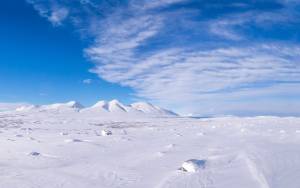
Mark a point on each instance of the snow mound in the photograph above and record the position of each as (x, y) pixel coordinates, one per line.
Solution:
(193, 165)
(106, 133)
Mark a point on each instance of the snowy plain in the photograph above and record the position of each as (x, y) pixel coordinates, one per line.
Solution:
(65, 146)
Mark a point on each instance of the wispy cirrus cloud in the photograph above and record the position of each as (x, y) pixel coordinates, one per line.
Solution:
(54, 12)
(189, 77)
(191, 55)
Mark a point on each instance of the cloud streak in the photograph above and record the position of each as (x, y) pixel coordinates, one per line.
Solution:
(54, 12)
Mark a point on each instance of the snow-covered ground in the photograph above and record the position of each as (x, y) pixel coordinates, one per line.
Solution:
(65, 148)
(10, 106)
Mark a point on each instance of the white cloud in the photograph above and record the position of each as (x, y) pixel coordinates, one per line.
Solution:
(231, 26)
(87, 81)
(225, 28)
(160, 3)
(182, 76)
(55, 13)
(58, 15)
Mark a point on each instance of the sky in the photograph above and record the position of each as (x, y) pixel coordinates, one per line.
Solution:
(201, 57)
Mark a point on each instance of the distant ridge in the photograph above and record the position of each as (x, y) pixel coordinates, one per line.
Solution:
(151, 109)
(71, 104)
(138, 108)
(113, 107)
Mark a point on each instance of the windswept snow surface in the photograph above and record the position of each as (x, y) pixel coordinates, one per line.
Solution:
(66, 149)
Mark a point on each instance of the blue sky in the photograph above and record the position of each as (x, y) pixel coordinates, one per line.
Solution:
(45, 64)
(237, 57)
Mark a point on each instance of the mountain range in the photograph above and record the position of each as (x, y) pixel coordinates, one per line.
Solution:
(101, 107)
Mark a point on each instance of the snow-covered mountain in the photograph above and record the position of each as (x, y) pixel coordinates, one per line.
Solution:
(56, 107)
(63, 106)
(139, 108)
(113, 107)
(151, 109)
(101, 105)
(116, 106)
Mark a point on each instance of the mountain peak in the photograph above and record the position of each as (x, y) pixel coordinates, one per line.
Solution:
(74, 104)
(68, 105)
(149, 108)
(116, 106)
(113, 107)
(115, 101)
(101, 103)
(137, 108)
(142, 104)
